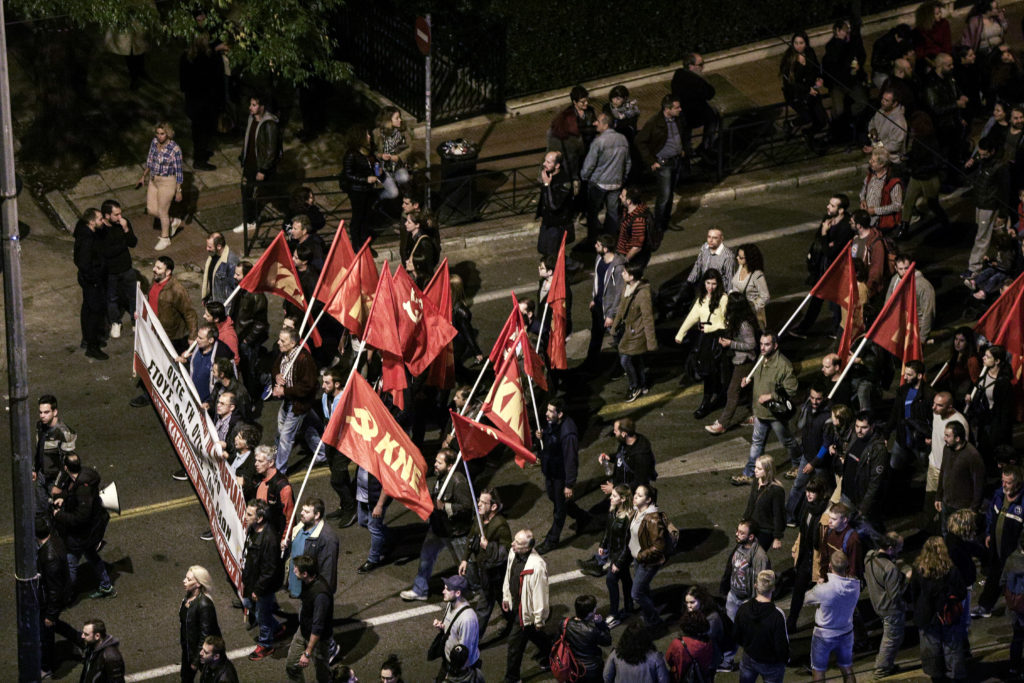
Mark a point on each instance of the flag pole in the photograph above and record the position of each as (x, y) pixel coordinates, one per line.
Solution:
(227, 302)
(533, 399)
(938, 376)
(320, 278)
(540, 333)
(476, 508)
(458, 457)
(849, 364)
(782, 331)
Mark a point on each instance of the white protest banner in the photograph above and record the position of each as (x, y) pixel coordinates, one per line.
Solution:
(193, 435)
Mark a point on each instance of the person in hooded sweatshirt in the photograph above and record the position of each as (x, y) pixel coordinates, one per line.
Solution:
(833, 622)
(760, 629)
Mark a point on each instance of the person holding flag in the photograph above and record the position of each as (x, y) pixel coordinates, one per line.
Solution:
(295, 383)
(559, 461)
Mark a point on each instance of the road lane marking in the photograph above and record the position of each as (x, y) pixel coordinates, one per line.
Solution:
(360, 625)
(656, 260)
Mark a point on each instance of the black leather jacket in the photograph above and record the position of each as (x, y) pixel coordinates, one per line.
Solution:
(263, 570)
(221, 671)
(616, 540)
(197, 621)
(82, 517)
(942, 95)
(355, 169)
(55, 587)
(585, 638)
(268, 143)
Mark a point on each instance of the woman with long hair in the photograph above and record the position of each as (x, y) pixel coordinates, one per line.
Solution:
(931, 31)
(708, 315)
(991, 406)
(739, 339)
(698, 599)
(837, 435)
(937, 589)
(422, 251)
(198, 619)
(634, 325)
(360, 178)
(391, 144)
(635, 658)
(985, 26)
(163, 177)
(750, 281)
(802, 83)
(464, 346)
(964, 365)
(767, 504)
(615, 549)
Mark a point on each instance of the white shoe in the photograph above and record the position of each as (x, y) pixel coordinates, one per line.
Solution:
(162, 243)
(115, 330)
(241, 227)
(175, 226)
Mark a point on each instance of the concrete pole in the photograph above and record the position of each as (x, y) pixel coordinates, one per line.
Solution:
(26, 577)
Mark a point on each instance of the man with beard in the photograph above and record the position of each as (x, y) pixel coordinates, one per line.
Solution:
(215, 667)
(865, 471)
(888, 128)
(962, 475)
(606, 294)
(554, 208)
(633, 463)
(661, 146)
(485, 566)
(92, 278)
(922, 288)
(829, 241)
(911, 418)
(52, 438)
(811, 421)
(102, 661)
(332, 384)
(117, 238)
(218, 270)
(559, 459)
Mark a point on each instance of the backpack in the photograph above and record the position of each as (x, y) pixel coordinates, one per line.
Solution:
(564, 666)
(1014, 593)
(671, 534)
(951, 611)
(694, 674)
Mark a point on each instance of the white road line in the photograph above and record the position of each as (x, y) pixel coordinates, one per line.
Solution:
(658, 259)
(352, 626)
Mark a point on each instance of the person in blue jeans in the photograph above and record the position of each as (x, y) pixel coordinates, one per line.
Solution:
(371, 504)
(647, 546)
(262, 575)
(836, 599)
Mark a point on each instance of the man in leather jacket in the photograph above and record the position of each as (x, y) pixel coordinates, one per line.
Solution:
(865, 472)
(216, 667)
(102, 661)
(261, 150)
(586, 633)
(82, 519)
(54, 592)
(946, 103)
(52, 438)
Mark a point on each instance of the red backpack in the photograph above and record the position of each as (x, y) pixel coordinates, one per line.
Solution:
(564, 666)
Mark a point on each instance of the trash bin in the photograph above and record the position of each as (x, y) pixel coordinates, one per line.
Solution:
(455, 195)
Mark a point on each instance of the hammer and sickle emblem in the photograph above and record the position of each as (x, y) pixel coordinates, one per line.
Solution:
(414, 313)
(363, 423)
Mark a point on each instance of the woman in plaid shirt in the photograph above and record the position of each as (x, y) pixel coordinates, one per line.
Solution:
(163, 173)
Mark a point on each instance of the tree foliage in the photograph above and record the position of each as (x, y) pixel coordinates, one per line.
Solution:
(281, 39)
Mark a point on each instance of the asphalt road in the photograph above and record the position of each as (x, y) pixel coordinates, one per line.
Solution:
(153, 543)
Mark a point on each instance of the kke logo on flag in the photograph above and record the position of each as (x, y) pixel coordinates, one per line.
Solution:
(508, 405)
(283, 279)
(413, 307)
(392, 453)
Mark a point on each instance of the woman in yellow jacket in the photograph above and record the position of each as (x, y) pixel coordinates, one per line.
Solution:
(704, 363)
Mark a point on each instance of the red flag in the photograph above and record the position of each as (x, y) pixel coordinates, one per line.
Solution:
(381, 332)
(339, 260)
(895, 328)
(556, 303)
(351, 303)
(275, 273)
(477, 440)
(424, 333)
(513, 339)
(1003, 324)
(839, 285)
(363, 429)
(442, 371)
(505, 404)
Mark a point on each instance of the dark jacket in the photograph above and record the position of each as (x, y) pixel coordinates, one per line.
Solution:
(941, 95)
(760, 629)
(263, 569)
(634, 464)
(559, 455)
(323, 546)
(838, 58)
(918, 426)
(88, 256)
(693, 93)
(653, 136)
(115, 243)
(249, 315)
(355, 169)
(825, 248)
(961, 478)
(864, 477)
(808, 522)
(49, 458)
(616, 539)
(425, 254)
(766, 506)
(317, 613)
(464, 345)
(990, 181)
(55, 583)
(993, 422)
(302, 392)
(268, 143)
(103, 664)
(492, 560)
(812, 430)
(585, 638)
(929, 596)
(197, 621)
(1013, 520)
(221, 671)
(454, 518)
(82, 518)
(886, 584)
(554, 207)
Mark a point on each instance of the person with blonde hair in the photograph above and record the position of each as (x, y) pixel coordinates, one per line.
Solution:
(198, 618)
(163, 178)
(938, 590)
(767, 504)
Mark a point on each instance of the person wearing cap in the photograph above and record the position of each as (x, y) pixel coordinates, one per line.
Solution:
(460, 623)
(459, 671)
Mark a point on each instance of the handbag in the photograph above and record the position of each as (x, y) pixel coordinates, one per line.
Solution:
(705, 358)
(436, 649)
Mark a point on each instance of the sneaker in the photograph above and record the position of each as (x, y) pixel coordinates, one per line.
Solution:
(797, 334)
(715, 428)
(206, 535)
(613, 621)
(96, 353)
(102, 592)
(162, 244)
(333, 652)
(115, 330)
(410, 595)
(175, 225)
(140, 401)
(260, 652)
(239, 229)
(633, 395)
(180, 475)
(791, 474)
(741, 480)
(980, 612)
(727, 668)
(791, 525)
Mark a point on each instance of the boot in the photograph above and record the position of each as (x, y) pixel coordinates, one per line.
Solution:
(705, 407)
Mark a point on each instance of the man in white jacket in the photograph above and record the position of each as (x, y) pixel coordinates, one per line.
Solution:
(525, 593)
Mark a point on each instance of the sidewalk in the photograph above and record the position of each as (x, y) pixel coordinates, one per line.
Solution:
(743, 77)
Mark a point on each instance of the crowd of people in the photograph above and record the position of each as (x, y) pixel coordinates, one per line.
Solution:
(946, 437)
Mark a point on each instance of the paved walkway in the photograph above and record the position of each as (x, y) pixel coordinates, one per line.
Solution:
(215, 194)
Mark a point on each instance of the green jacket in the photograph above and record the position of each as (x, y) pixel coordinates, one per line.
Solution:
(776, 369)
